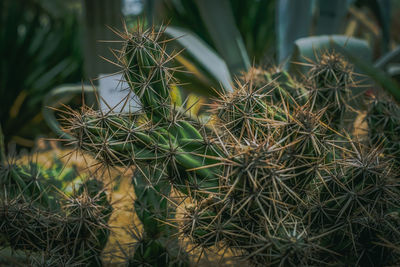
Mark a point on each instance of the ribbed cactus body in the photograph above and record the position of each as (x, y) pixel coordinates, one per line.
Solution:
(145, 64)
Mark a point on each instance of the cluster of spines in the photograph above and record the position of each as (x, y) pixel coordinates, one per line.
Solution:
(384, 125)
(273, 176)
(331, 81)
(45, 224)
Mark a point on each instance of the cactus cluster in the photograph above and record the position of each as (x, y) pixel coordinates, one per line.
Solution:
(272, 175)
(384, 125)
(48, 221)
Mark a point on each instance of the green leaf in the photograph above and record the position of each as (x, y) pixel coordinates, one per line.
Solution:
(379, 76)
(388, 58)
(203, 54)
(256, 23)
(382, 11)
(384, 17)
(293, 22)
(331, 16)
(220, 23)
(45, 49)
(307, 47)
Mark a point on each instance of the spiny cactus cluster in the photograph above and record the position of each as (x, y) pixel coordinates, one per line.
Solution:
(384, 125)
(48, 222)
(272, 175)
(154, 247)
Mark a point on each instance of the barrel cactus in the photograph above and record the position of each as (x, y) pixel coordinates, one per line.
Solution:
(272, 174)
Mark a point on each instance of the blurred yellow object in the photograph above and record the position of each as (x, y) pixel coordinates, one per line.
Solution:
(192, 68)
(176, 95)
(194, 103)
(17, 104)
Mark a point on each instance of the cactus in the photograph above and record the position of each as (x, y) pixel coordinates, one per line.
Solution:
(384, 124)
(272, 175)
(47, 221)
(155, 247)
(331, 80)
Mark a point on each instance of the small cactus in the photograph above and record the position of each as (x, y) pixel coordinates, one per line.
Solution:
(47, 221)
(384, 124)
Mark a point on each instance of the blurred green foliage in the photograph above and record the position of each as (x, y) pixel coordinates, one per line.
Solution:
(254, 19)
(230, 35)
(234, 33)
(39, 49)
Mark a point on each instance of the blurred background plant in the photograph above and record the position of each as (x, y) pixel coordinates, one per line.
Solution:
(39, 49)
(42, 45)
(234, 34)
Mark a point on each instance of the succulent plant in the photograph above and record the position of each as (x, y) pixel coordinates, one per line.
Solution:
(384, 123)
(47, 221)
(155, 247)
(272, 175)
